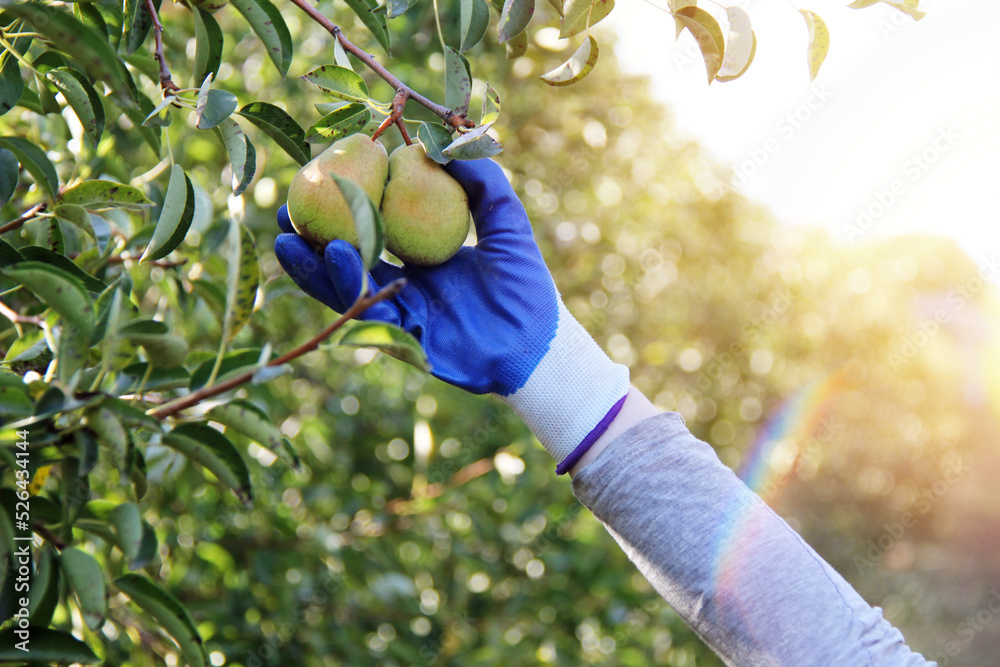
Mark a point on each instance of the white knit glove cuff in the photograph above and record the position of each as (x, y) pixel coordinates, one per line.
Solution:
(572, 394)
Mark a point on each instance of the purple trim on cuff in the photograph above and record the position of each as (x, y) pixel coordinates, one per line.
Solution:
(567, 463)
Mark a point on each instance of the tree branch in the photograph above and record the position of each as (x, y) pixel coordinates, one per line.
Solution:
(195, 397)
(15, 316)
(49, 535)
(19, 221)
(450, 118)
(166, 81)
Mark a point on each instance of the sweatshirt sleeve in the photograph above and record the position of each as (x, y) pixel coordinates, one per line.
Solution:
(747, 584)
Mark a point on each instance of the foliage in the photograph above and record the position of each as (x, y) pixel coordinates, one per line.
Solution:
(348, 509)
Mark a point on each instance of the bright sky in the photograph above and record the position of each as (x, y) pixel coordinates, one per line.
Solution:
(899, 104)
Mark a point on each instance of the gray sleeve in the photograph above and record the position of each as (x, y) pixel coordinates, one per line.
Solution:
(751, 588)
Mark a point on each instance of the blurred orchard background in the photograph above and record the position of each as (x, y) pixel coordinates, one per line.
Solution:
(853, 382)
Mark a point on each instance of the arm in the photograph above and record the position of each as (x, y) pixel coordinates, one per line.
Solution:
(751, 588)
(491, 321)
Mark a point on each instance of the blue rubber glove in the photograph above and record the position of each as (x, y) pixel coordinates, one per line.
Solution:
(490, 318)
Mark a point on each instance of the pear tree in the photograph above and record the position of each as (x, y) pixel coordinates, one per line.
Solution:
(136, 147)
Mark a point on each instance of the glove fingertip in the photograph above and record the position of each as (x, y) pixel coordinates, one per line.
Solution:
(285, 222)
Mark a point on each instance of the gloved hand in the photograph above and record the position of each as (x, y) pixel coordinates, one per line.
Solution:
(490, 318)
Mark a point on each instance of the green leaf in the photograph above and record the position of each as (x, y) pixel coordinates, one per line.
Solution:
(58, 289)
(85, 577)
(249, 420)
(579, 15)
(435, 138)
(395, 8)
(457, 81)
(387, 338)
(36, 253)
(91, 17)
(160, 378)
(517, 46)
(209, 41)
(80, 42)
(109, 432)
(158, 117)
(163, 349)
(475, 17)
(11, 83)
(232, 363)
(266, 21)
(9, 170)
(127, 522)
(138, 116)
(707, 33)
(99, 194)
(338, 124)
(373, 20)
(87, 450)
(55, 237)
(47, 647)
(367, 220)
(44, 595)
(819, 41)
(340, 82)
(204, 445)
(281, 127)
(242, 154)
(214, 106)
(740, 48)
(246, 275)
(131, 415)
(34, 160)
(137, 22)
(175, 217)
(8, 255)
(82, 98)
(473, 145)
(340, 55)
(514, 18)
(149, 544)
(491, 107)
(14, 403)
(168, 612)
(576, 68)
(79, 217)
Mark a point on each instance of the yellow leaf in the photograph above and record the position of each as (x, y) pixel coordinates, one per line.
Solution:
(707, 33)
(819, 41)
(741, 47)
(578, 66)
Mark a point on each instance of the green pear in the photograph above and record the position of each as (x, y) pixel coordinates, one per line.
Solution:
(210, 5)
(425, 211)
(316, 207)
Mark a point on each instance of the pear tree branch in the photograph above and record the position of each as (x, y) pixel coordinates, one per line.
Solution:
(196, 397)
(403, 92)
(166, 80)
(19, 221)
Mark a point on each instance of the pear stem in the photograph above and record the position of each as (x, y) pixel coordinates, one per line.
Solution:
(450, 118)
(402, 131)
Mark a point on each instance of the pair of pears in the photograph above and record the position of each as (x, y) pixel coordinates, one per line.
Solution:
(424, 210)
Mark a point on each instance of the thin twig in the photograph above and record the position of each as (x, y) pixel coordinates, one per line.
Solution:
(166, 81)
(19, 221)
(461, 477)
(15, 316)
(195, 397)
(49, 535)
(450, 118)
